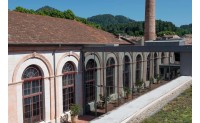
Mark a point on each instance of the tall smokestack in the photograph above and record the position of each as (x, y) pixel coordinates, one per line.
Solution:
(150, 29)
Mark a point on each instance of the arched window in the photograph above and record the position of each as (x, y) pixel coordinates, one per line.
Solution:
(110, 76)
(126, 72)
(138, 67)
(162, 58)
(148, 67)
(33, 108)
(68, 84)
(155, 65)
(91, 71)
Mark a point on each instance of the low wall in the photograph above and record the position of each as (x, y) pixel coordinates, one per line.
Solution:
(146, 105)
(155, 106)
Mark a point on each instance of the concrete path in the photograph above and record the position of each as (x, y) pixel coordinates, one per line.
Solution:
(127, 111)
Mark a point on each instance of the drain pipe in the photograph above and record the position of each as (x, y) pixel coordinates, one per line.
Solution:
(54, 70)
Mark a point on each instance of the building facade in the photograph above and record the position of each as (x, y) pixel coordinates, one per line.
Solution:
(46, 69)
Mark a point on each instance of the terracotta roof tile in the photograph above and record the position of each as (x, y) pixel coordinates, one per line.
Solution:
(36, 29)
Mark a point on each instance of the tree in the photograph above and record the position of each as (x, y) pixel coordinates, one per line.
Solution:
(23, 10)
(162, 33)
(69, 14)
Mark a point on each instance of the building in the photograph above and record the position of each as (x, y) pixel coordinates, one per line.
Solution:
(47, 64)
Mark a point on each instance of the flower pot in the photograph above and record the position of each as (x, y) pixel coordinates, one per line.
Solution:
(139, 90)
(74, 119)
(128, 96)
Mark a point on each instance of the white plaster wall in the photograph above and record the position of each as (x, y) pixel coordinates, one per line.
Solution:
(42, 66)
(78, 82)
(14, 59)
(19, 103)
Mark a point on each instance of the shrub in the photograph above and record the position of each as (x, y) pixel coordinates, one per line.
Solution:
(158, 78)
(139, 84)
(75, 109)
(127, 91)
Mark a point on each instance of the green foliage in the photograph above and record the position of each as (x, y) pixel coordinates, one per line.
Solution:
(46, 8)
(177, 111)
(69, 14)
(139, 84)
(162, 33)
(127, 90)
(49, 11)
(104, 98)
(123, 25)
(165, 26)
(23, 10)
(85, 21)
(113, 24)
(184, 29)
(75, 109)
(158, 78)
(108, 19)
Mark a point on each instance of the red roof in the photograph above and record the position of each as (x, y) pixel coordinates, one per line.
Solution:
(36, 29)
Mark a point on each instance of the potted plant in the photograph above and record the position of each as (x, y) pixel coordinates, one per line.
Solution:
(139, 84)
(158, 78)
(103, 100)
(75, 110)
(127, 92)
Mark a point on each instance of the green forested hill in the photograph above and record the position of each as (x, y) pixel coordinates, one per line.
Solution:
(108, 19)
(124, 25)
(46, 8)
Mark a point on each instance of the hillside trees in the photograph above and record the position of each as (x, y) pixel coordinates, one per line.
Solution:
(49, 11)
(123, 25)
(114, 24)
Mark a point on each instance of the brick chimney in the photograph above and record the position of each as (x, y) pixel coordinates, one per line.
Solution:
(150, 29)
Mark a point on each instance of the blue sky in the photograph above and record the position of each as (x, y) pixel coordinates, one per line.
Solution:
(177, 11)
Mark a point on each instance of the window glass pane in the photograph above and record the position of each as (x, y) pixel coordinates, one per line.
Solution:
(110, 76)
(68, 80)
(32, 111)
(27, 101)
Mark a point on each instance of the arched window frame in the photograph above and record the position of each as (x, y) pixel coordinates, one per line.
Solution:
(91, 73)
(126, 72)
(110, 76)
(148, 67)
(33, 100)
(68, 85)
(138, 67)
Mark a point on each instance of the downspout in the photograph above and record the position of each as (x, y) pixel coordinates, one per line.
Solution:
(83, 80)
(169, 67)
(54, 70)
